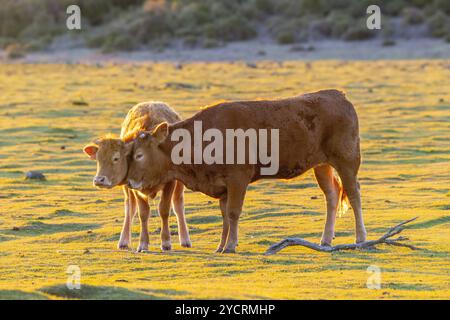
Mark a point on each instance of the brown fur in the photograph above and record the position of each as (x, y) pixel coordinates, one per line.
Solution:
(143, 116)
(316, 131)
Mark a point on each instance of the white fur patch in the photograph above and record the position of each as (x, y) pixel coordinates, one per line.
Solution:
(116, 155)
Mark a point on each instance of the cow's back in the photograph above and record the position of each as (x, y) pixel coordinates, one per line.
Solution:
(312, 109)
(312, 127)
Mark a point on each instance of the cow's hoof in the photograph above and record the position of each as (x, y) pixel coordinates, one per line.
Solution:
(229, 250)
(186, 244)
(142, 247)
(361, 238)
(324, 243)
(219, 250)
(166, 246)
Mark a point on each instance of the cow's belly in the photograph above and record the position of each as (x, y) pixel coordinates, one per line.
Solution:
(213, 186)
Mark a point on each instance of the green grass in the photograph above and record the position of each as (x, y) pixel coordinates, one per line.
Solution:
(65, 221)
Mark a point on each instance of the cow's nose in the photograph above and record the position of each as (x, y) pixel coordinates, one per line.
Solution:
(99, 180)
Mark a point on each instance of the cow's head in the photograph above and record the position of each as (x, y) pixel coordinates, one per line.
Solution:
(112, 156)
(149, 164)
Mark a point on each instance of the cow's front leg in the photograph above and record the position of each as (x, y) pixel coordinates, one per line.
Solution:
(235, 199)
(130, 211)
(178, 207)
(144, 212)
(225, 224)
(164, 212)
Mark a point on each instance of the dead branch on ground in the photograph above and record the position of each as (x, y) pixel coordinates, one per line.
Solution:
(386, 239)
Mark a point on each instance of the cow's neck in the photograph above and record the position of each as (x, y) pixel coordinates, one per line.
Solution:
(181, 172)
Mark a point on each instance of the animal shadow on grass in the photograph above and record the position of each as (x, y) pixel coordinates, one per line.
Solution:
(421, 225)
(20, 295)
(430, 223)
(68, 213)
(36, 228)
(166, 292)
(271, 213)
(96, 292)
(409, 286)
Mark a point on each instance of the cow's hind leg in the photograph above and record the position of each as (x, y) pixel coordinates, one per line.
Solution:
(330, 187)
(348, 174)
(130, 211)
(144, 212)
(344, 155)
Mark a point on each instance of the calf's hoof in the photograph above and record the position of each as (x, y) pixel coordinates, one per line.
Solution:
(166, 246)
(186, 244)
(123, 246)
(142, 247)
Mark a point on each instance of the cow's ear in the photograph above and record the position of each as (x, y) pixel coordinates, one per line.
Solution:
(91, 151)
(161, 132)
(128, 148)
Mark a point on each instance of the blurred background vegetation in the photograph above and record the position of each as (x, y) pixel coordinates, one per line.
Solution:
(124, 25)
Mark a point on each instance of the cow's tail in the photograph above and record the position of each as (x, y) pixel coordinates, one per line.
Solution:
(343, 204)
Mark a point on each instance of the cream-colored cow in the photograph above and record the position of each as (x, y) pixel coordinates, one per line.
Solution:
(112, 157)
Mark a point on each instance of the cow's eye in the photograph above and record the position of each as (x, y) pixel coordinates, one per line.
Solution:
(139, 156)
(115, 159)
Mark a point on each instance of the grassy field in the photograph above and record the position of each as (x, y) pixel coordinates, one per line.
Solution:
(48, 112)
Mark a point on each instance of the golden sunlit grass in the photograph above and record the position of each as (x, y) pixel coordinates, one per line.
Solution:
(48, 112)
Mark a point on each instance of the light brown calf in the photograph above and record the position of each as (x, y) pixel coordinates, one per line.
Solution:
(112, 157)
(316, 131)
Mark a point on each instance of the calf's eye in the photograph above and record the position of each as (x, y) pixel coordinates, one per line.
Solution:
(139, 156)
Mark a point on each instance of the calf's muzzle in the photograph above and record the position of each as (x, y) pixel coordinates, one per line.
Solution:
(101, 181)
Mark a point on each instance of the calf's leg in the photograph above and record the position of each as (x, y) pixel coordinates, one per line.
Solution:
(130, 211)
(144, 212)
(164, 212)
(330, 187)
(178, 207)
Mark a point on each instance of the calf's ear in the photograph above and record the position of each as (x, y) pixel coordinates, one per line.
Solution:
(91, 151)
(161, 132)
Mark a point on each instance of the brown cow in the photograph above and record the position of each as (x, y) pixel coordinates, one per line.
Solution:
(316, 131)
(112, 157)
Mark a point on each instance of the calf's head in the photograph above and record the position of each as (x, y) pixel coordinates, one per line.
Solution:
(149, 163)
(112, 156)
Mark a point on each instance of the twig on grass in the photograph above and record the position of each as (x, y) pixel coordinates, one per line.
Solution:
(386, 238)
